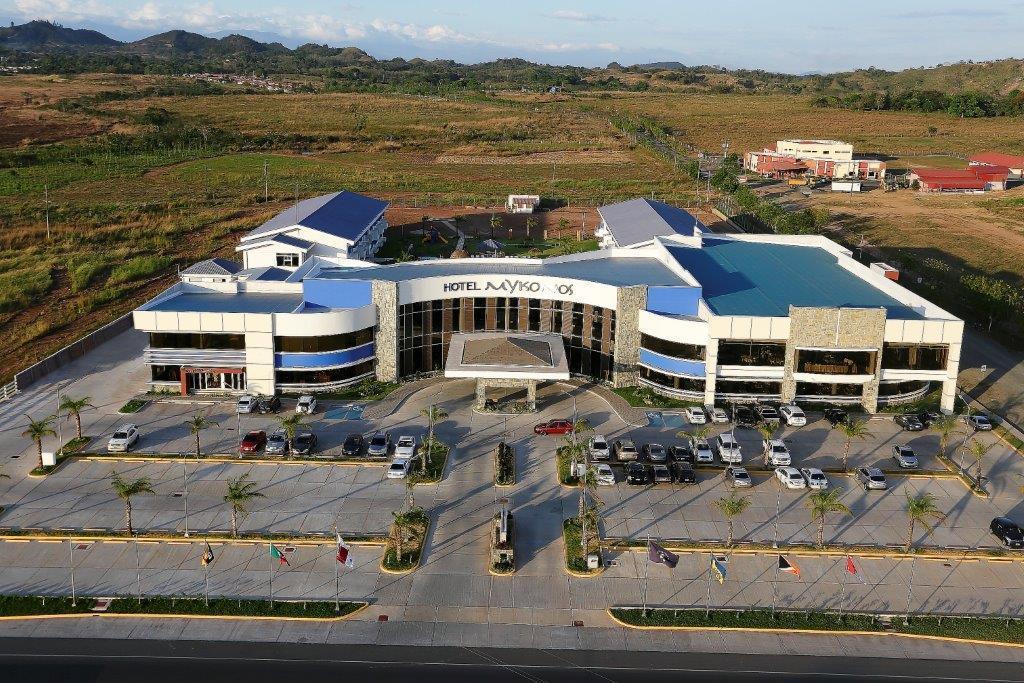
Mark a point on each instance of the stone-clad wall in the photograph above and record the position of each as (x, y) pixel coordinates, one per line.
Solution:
(385, 298)
(835, 328)
(629, 302)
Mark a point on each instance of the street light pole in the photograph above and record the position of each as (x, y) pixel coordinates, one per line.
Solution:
(71, 567)
(184, 489)
(778, 511)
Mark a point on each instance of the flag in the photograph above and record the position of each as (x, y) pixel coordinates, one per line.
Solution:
(718, 569)
(655, 553)
(789, 567)
(343, 554)
(207, 555)
(850, 566)
(274, 552)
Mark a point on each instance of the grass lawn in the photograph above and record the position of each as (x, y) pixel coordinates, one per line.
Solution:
(642, 397)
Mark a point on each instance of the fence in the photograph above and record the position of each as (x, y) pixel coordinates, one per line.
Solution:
(76, 349)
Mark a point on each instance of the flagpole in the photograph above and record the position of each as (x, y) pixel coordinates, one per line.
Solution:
(138, 570)
(337, 571)
(910, 587)
(842, 592)
(707, 607)
(206, 578)
(647, 560)
(775, 586)
(71, 567)
(271, 553)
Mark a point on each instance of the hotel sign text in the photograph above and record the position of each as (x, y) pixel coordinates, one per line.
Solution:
(508, 286)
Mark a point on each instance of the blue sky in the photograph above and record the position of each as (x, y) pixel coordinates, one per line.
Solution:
(796, 36)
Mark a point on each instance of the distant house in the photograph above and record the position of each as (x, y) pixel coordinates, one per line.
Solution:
(823, 158)
(555, 89)
(1014, 163)
(980, 178)
(522, 203)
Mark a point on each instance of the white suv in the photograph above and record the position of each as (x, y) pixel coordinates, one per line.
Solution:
(306, 405)
(123, 439)
(728, 449)
(701, 451)
(775, 453)
(696, 416)
(598, 447)
(793, 415)
(246, 404)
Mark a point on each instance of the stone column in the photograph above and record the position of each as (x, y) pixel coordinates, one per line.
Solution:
(531, 393)
(481, 393)
(948, 401)
(385, 298)
(629, 302)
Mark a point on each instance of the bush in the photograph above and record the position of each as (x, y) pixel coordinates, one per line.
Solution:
(84, 274)
(504, 465)
(313, 609)
(138, 268)
(18, 287)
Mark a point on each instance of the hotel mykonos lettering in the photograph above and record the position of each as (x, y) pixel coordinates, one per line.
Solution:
(508, 286)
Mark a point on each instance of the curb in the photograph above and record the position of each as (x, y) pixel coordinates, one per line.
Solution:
(880, 553)
(818, 632)
(229, 617)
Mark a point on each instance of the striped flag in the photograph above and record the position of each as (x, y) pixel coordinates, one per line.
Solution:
(718, 569)
(789, 567)
(207, 557)
(275, 553)
(343, 554)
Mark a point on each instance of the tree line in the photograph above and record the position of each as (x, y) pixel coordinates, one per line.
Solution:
(962, 105)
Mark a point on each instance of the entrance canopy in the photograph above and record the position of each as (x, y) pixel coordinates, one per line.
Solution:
(507, 355)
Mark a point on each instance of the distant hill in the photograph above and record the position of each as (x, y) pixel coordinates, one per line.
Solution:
(38, 35)
(184, 43)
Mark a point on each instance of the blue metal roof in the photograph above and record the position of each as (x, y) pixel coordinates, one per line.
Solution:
(342, 214)
(641, 220)
(249, 302)
(761, 279)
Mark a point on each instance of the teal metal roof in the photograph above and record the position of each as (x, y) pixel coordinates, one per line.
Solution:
(760, 279)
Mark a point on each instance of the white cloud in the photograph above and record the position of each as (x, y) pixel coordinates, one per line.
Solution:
(573, 15)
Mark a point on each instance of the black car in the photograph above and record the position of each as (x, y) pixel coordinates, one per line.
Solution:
(744, 416)
(909, 421)
(1007, 531)
(836, 416)
(304, 443)
(682, 472)
(353, 445)
(681, 453)
(268, 404)
(637, 473)
(928, 416)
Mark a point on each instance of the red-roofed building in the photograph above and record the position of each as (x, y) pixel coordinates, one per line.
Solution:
(971, 179)
(1014, 163)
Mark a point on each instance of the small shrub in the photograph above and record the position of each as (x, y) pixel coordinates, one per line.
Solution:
(138, 268)
(84, 274)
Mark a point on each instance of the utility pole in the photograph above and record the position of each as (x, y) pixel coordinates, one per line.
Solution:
(266, 182)
(46, 200)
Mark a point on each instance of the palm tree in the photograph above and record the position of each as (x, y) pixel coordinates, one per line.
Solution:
(978, 451)
(531, 223)
(73, 407)
(946, 426)
(698, 433)
(410, 490)
(38, 430)
(401, 521)
(822, 503)
(732, 506)
(495, 224)
(852, 429)
(196, 424)
(240, 492)
(434, 414)
(767, 433)
(291, 423)
(126, 490)
(587, 482)
(920, 510)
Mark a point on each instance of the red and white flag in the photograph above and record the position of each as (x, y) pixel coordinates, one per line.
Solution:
(343, 555)
(851, 569)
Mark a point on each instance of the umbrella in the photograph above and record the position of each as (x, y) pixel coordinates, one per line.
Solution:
(491, 245)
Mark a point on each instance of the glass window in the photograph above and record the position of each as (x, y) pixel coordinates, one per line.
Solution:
(334, 342)
(751, 353)
(314, 377)
(182, 340)
(288, 260)
(670, 348)
(835, 362)
(914, 357)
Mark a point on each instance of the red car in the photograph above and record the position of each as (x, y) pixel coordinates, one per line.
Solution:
(253, 442)
(554, 427)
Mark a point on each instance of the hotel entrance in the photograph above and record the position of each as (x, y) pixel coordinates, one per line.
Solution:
(212, 380)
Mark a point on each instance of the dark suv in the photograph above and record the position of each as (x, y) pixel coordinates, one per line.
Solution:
(681, 453)
(268, 404)
(909, 421)
(744, 416)
(1007, 531)
(353, 445)
(637, 473)
(682, 472)
(835, 416)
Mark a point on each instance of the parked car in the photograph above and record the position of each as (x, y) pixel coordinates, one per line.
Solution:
(598, 447)
(768, 415)
(1007, 531)
(662, 475)
(380, 444)
(775, 453)
(637, 473)
(793, 415)
(268, 404)
(405, 447)
(790, 477)
(979, 422)
(872, 479)
(717, 415)
(655, 452)
(554, 428)
(304, 444)
(683, 473)
(743, 416)
(836, 415)
(904, 456)
(928, 416)
(399, 468)
(124, 437)
(246, 404)
(625, 450)
(353, 445)
(681, 453)
(605, 475)
(815, 478)
(909, 421)
(738, 477)
(277, 443)
(728, 449)
(253, 442)
(306, 404)
(696, 416)
(702, 451)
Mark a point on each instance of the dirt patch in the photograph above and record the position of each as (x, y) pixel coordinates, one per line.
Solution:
(568, 157)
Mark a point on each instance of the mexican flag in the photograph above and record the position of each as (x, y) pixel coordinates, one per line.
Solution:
(343, 553)
(275, 553)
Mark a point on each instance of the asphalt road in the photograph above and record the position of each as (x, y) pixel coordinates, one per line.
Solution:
(69, 661)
